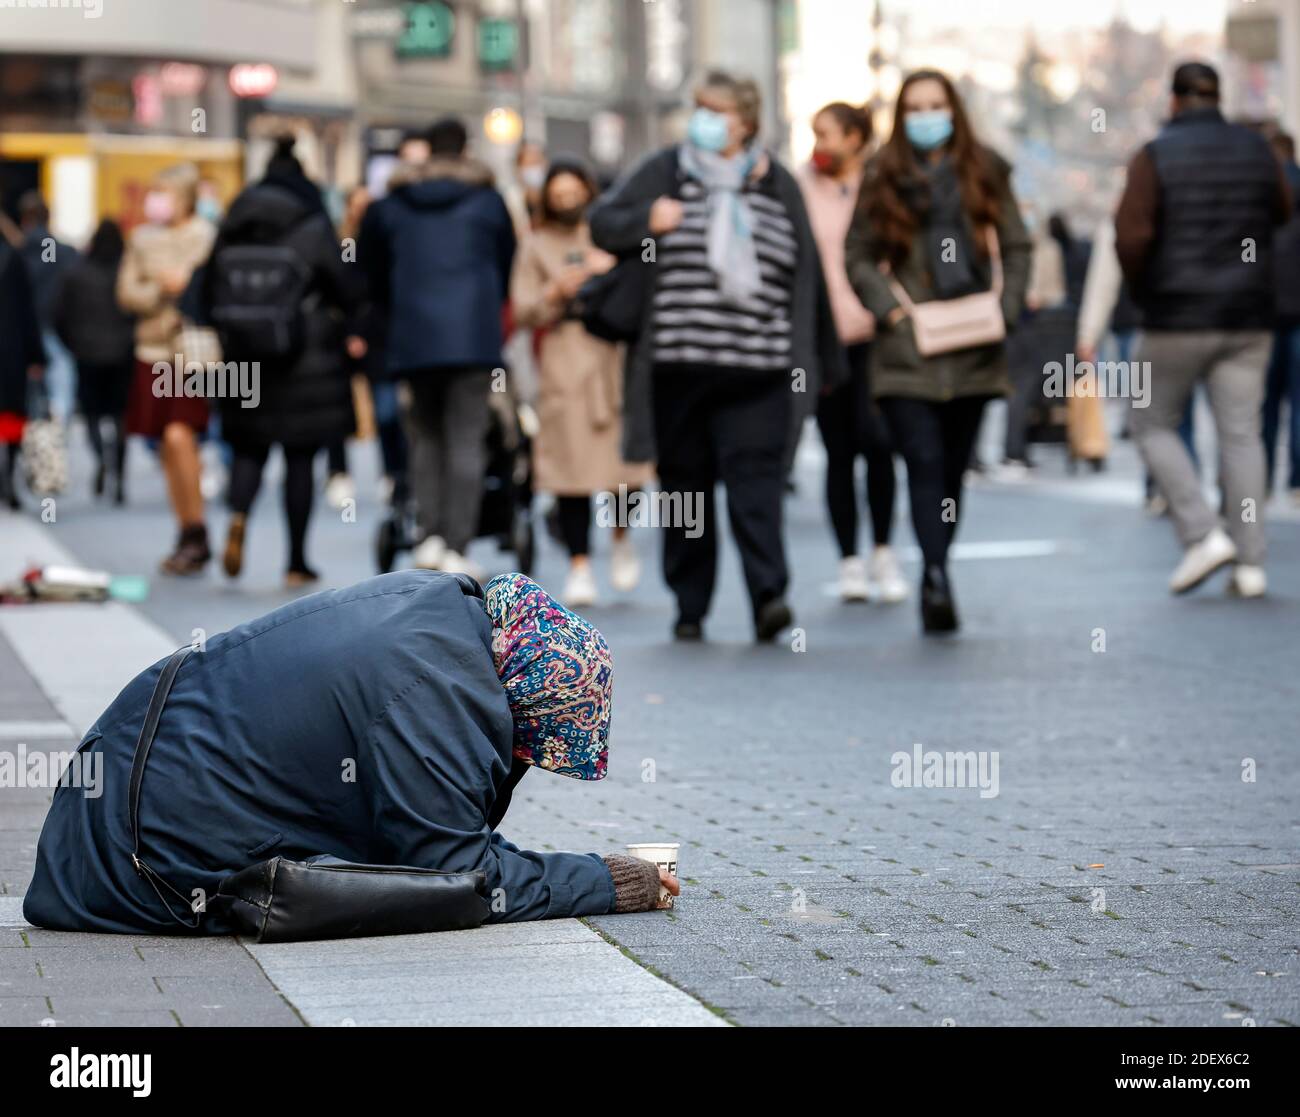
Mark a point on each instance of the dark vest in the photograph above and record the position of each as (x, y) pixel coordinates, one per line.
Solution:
(1218, 189)
(1286, 257)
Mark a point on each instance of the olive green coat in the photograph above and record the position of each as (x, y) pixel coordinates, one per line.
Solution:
(897, 369)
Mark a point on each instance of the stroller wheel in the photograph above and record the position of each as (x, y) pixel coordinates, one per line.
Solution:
(523, 543)
(386, 545)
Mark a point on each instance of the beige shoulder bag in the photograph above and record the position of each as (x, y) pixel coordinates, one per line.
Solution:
(944, 325)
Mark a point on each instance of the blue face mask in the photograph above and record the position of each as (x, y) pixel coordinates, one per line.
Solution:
(708, 130)
(928, 130)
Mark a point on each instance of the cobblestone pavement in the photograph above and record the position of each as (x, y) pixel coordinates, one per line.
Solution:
(1125, 873)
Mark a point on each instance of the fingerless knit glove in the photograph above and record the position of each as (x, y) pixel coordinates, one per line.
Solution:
(636, 882)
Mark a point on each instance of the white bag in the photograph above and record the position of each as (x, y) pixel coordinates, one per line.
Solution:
(45, 457)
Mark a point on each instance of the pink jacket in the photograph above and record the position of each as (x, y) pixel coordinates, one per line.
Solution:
(830, 207)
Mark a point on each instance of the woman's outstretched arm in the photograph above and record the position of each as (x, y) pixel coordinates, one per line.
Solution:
(427, 778)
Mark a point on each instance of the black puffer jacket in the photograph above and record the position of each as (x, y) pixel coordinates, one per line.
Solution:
(87, 317)
(309, 402)
(20, 333)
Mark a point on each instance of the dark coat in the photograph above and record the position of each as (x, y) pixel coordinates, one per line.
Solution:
(87, 317)
(620, 224)
(1286, 255)
(308, 403)
(19, 329)
(367, 722)
(47, 274)
(897, 367)
(437, 252)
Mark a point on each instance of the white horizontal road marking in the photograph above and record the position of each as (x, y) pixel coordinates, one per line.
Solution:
(36, 730)
(993, 549)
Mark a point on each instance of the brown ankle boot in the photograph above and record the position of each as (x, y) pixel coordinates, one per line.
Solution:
(232, 560)
(191, 554)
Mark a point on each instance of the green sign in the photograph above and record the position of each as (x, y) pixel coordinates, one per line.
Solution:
(429, 30)
(498, 43)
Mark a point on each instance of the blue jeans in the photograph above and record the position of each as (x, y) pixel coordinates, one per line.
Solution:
(60, 377)
(1283, 383)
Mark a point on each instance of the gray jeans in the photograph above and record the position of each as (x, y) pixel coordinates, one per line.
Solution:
(448, 422)
(1232, 364)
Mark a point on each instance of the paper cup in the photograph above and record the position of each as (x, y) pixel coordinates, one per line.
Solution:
(663, 854)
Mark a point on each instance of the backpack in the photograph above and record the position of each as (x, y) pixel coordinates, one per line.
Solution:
(256, 297)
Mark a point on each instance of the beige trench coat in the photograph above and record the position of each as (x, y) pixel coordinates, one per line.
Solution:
(580, 377)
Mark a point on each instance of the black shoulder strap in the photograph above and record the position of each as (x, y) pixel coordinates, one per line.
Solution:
(142, 745)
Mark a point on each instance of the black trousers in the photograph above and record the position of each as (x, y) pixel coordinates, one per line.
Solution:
(935, 440)
(731, 426)
(851, 425)
(246, 478)
(574, 514)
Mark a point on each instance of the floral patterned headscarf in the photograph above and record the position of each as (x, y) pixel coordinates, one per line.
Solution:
(558, 675)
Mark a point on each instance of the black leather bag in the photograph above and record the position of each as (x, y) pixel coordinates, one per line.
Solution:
(611, 305)
(325, 898)
(322, 897)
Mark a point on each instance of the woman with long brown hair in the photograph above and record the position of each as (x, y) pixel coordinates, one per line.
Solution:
(577, 449)
(936, 220)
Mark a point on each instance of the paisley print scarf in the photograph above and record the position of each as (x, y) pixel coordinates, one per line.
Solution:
(558, 676)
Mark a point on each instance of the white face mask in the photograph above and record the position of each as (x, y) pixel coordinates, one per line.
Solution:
(533, 177)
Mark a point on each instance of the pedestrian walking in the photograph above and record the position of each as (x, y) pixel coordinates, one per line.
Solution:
(1194, 233)
(48, 262)
(439, 695)
(849, 420)
(368, 355)
(437, 252)
(280, 295)
(735, 316)
(1046, 291)
(1284, 363)
(937, 222)
(100, 335)
(22, 359)
(577, 451)
(160, 258)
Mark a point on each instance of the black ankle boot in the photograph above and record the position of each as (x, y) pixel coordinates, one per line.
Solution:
(770, 619)
(938, 610)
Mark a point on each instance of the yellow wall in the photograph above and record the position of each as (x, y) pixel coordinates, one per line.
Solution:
(125, 165)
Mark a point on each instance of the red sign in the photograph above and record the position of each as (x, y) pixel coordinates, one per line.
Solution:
(253, 79)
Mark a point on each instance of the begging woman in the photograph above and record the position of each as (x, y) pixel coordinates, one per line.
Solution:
(385, 724)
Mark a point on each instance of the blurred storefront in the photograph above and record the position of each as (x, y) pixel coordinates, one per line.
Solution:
(594, 78)
(1263, 42)
(91, 108)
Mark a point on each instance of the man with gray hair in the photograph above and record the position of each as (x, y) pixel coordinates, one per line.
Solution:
(1194, 233)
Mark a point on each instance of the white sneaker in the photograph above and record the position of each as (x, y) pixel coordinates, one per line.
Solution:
(579, 587)
(1202, 559)
(885, 577)
(453, 562)
(384, 489)
(1011, 472)
(853, 579)
(1248, 581)
(429, 554)
(339, 489)
(624, 566)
